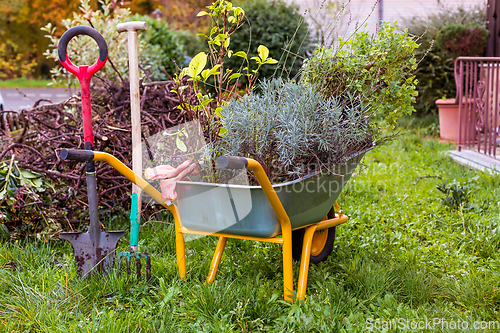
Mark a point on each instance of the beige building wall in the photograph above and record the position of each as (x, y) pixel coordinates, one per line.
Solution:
(360, 12)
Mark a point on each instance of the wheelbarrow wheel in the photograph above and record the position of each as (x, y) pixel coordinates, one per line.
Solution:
(321, 247)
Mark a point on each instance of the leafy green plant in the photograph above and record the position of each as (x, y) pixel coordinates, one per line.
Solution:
(24, 197)
(288, 128)
(13, 178)
(289, 41)
(377, 69)
(458, 195)
(226, 21)
(435, 72)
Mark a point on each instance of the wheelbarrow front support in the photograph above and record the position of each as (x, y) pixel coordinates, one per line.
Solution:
(231, 162)
(286, 229)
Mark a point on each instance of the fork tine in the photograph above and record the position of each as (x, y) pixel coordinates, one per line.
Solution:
(119, 262)
(148, 267)
(139, 266)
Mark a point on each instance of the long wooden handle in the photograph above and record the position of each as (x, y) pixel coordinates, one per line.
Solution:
(135, 110)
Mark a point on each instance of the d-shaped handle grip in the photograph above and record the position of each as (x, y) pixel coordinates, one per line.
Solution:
(63, 46)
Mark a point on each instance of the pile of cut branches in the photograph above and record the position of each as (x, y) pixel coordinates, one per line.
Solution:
(50, 127)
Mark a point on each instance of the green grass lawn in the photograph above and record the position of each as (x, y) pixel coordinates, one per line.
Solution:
(403, 255)
(22, 82)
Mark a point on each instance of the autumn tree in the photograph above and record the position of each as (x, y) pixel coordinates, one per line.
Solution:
(143, 7)
(21, 40)
(22, 43)
(181, 15)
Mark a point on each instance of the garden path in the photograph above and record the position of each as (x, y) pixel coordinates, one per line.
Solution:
(475, 160)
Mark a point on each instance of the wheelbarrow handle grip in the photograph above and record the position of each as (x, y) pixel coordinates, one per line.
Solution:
(77, 154)
(232, 162)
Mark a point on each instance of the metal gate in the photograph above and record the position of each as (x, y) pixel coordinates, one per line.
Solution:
(477, 80)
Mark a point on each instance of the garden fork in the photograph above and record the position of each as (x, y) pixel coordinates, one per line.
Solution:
(135, 212)
(134, 240)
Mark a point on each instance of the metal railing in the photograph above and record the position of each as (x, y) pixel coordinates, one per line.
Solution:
(477, 80)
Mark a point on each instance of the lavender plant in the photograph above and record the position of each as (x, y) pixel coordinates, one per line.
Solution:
(293, 130)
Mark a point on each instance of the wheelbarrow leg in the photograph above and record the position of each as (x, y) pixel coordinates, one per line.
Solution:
(181, 257)
(287, 262)
(216, 259)
(179, 245)
(304, 262)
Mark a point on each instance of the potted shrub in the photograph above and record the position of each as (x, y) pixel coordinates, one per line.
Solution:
(348, 99)
(454, 40)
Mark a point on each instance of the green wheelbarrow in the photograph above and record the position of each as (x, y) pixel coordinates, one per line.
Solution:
(301, 215)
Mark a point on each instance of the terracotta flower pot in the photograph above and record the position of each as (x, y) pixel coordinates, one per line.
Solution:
(449, 121)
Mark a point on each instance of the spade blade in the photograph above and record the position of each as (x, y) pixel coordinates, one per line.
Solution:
(93, 254)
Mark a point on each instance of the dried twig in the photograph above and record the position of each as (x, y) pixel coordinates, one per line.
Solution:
(54, 126)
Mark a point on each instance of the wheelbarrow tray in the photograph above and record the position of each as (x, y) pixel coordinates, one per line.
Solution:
(245, 210)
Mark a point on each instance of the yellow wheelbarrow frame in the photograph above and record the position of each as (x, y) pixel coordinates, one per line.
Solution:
(286, 230)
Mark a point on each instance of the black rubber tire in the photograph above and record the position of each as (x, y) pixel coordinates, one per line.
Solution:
(297, 242)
